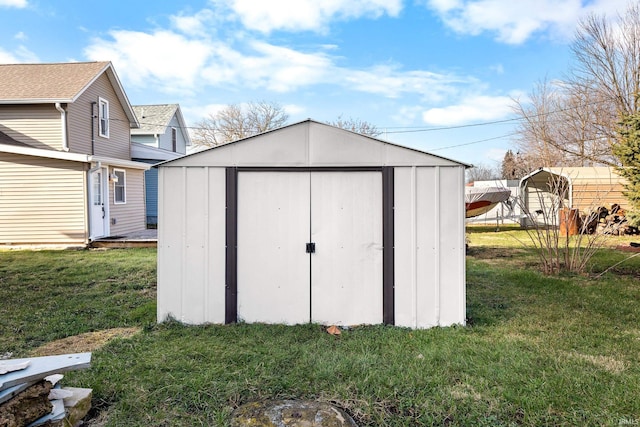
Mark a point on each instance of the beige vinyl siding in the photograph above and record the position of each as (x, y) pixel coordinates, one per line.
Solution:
(131, 215)
(79, 122)
(39, 125)
(41, 200)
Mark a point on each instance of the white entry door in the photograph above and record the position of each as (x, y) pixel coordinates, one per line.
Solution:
(282, 279)
(98, 221)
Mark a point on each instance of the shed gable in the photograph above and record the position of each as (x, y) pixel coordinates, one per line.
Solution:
(311, 144)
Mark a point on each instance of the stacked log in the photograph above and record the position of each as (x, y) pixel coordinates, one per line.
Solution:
(612, 221)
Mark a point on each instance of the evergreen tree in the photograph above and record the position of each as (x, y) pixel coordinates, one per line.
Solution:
(509, 166)
(627, 150)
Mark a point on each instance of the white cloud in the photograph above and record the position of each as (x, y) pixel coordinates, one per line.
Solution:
(20, 55)
(392, 82)
(20, 36)
(162, 57)
(173, 62)
(294, 109)
(474, 109)
(307, 15)
(514, 22)
(198, 24)
(13, 3)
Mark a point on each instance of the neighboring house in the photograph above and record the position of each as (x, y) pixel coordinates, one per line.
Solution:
(162, 136)
(66, 174)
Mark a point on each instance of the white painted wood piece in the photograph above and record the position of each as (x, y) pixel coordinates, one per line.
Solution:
(40, 367)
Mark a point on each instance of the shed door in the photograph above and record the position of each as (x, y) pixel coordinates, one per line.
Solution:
(346, 269)
(278, 214)
(273, 267)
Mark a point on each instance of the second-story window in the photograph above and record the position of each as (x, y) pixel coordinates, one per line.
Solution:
(103, 117)
(174, 139)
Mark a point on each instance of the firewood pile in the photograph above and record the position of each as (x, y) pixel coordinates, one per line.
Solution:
(31, 394)
(610, 221)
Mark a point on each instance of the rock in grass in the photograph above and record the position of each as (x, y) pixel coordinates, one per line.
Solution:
(290, 413)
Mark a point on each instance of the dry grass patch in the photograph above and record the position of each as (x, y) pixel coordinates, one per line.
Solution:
(86, 342)
(465, 391)
(608, 363)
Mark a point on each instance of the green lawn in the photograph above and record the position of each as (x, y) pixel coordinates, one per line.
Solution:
(537, 350)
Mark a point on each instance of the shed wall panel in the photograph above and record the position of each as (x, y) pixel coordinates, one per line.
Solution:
(41, 200)
(451, 247)
(171, 253)
(427, 295)
(405, 246)
(195, 197)
(429, 246)
(216, 245)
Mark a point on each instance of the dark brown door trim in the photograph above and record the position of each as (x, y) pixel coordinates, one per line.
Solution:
(231, 251)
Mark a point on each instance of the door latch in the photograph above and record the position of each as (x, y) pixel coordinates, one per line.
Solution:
(311, 248)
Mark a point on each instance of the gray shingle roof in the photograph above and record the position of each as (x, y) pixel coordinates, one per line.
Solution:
(153, 119)
(61, 82)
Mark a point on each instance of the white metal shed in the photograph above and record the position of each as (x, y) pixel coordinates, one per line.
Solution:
(311, 223)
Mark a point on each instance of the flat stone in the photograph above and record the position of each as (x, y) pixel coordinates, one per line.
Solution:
(290, 413)
(77, 405)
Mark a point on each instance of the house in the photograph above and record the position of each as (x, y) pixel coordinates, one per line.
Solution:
(312, 223)
(162, 135)
(546, 191)
(66, 174)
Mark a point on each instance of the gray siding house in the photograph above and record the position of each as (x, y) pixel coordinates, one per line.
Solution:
(66, 174)
(162, 136)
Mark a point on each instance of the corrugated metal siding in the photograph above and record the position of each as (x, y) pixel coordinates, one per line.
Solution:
(129, 216)
(39, 126)
(41, 200)
(191, 245)
(79, 122)
(429, 246)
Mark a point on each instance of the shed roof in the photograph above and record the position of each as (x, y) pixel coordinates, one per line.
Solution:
(585, 174)
(56, 82)
(311, 144)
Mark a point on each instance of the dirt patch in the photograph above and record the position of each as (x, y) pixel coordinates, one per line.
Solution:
(89, 341)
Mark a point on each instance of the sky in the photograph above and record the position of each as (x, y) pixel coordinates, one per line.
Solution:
(435, 75)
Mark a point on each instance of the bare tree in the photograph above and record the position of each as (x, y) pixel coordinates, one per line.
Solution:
(356, 125)
(574, 122)
(239, 121)
(481, 172)
(560, 127)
